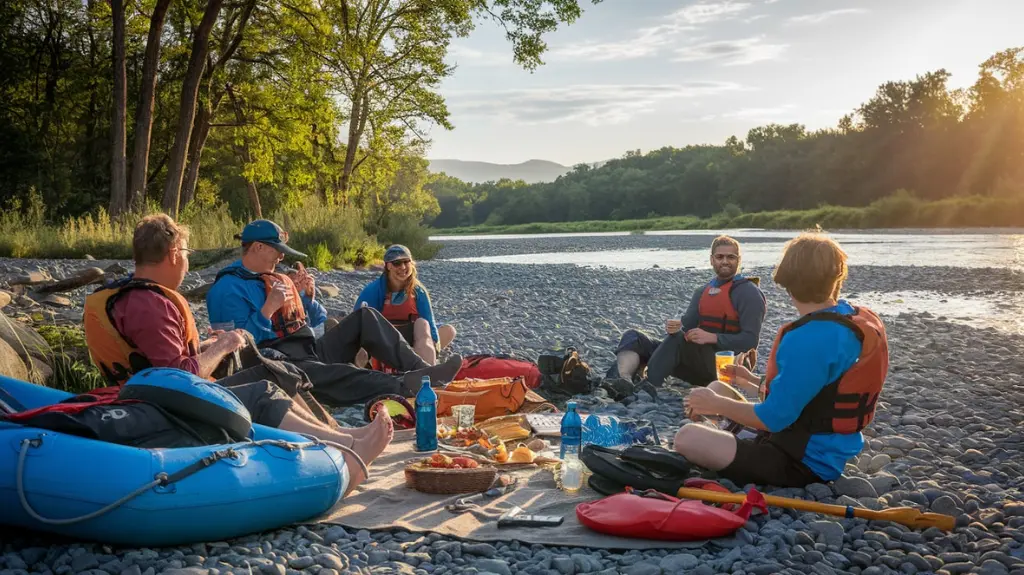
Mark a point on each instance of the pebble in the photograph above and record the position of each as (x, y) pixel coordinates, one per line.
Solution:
(944, 439)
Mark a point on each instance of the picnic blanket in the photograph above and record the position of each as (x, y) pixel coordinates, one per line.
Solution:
(384, 502)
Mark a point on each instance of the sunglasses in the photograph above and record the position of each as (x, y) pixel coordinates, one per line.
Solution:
(401, 263)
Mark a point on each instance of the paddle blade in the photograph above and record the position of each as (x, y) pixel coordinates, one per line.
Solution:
(910, 517)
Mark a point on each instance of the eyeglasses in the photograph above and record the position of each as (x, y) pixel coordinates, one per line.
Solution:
(401, 263)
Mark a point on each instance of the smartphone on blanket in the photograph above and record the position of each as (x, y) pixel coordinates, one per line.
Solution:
(515, 518)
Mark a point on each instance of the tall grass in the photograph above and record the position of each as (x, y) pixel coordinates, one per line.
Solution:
(333, 236)
(900, 210)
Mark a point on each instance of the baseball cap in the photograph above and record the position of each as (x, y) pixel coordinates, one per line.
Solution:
(397, 252)
(267, 232)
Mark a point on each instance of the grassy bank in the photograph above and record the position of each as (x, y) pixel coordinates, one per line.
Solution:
(901, 210)
(332, 236)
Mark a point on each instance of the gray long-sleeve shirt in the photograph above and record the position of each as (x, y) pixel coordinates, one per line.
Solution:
(750, 306)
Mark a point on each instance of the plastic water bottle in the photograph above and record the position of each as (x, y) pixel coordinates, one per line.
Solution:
(572, 433)
(426, 417)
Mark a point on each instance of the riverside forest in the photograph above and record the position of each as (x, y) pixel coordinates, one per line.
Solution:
(916, 154)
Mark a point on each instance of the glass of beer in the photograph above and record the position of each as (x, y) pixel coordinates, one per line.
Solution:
(722, 359)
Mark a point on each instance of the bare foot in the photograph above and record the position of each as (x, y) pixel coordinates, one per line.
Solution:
(379, 434)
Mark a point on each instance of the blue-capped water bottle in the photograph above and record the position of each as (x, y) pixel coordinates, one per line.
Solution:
(572, 433)
(426, 417)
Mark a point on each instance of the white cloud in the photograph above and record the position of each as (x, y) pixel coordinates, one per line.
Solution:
(594, 105)
(731, 52)
(755, 114)
(465, 56)
(822, 16)
(649, 41)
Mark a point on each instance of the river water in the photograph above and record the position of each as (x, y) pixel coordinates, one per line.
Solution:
(967, 252)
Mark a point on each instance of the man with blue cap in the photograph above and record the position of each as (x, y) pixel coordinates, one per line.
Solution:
(281, 314)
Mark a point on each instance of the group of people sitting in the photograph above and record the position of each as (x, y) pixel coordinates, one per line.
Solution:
(823, 377)
(142, 321)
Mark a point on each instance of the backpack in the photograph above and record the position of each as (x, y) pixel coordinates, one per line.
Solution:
(638, 466)
(490, 366)
(492, 397)
(573, 373)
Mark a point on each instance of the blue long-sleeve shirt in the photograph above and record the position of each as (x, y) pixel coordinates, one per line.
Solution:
(750, 306)
(240, 300)
(808, 359)
(375, 292)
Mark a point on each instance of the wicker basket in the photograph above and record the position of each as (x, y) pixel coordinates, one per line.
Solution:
(449, 481)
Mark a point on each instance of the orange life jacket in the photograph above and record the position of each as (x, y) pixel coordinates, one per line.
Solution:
(290, 317)
(848, 404)
(716, 314)
(401, 313)
(116, 356)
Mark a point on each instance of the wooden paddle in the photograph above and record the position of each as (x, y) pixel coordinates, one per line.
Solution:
(904, 515)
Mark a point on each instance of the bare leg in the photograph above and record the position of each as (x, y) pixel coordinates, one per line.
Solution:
(629, 362)
(712, 449)
(369, 447)
(423, 342)
(446, 333)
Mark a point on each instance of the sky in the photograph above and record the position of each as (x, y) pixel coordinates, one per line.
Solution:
(644, 74)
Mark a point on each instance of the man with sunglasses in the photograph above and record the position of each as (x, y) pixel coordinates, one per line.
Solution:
(724, 314)
(281, 314)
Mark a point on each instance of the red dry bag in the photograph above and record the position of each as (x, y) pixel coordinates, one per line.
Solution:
(654, 515)
(485, 366)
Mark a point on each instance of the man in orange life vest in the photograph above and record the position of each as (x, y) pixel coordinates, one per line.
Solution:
(142, 321)
(270, 306)
(723, 315)
(823, 379)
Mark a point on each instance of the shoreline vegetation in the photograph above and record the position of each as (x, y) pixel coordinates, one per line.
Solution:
(334, 237)
(901, 210)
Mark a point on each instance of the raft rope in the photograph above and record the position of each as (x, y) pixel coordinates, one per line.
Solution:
(163, 479)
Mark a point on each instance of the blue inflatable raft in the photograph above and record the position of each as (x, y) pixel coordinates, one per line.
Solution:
(83, 488)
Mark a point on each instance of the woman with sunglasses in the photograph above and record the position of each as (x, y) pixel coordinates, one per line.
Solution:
(400, 297)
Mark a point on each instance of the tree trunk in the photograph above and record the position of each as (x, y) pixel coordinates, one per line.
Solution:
(119, 122)
(187, 112)
(360, 111)
(195, 152)
(144, 109)
(245, 155)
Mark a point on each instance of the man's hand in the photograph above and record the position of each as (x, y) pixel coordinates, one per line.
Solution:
(699, 336)
(672, 326)
(740, 373)
(229, 341)
(304, 280)
(702, 401)
(276, 298)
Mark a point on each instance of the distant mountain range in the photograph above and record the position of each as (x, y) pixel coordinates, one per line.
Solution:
(531, 171)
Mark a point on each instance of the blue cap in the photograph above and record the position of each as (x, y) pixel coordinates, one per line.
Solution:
(267, 232)
(397, 252)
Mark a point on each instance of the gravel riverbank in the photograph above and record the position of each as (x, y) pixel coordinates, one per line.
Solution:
(947, 436)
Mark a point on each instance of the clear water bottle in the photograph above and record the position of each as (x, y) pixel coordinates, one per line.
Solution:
(572, 433)
(426, 417)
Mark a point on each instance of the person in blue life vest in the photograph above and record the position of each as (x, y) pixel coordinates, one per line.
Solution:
(404, 301)
(822, 383)
(724, 314)
(281, 314)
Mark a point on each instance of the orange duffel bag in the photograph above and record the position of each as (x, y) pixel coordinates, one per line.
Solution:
(491, 397)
